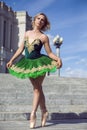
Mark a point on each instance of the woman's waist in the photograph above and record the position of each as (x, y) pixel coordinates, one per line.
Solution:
(33, 55)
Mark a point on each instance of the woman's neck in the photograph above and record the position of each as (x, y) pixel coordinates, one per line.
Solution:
(36, 30)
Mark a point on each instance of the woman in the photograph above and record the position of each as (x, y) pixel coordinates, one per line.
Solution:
(35, 65)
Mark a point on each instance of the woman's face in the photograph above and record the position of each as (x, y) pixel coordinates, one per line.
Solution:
(39, 21)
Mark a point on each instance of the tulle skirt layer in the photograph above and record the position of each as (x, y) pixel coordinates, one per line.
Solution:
(33, 68)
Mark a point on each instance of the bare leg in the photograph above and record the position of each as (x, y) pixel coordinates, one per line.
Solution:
(42, 97)
(39, 98)
(38, 93)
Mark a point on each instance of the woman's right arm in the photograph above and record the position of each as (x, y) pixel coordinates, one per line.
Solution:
(17, 53)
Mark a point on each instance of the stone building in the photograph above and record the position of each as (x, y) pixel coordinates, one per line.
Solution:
(12, 27)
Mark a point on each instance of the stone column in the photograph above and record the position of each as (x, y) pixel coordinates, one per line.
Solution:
(1, 30)
(8, 34)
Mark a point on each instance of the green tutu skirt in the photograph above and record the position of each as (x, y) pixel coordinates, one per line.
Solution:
(33, 68)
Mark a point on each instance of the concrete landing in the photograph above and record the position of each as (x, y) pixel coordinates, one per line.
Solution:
(51, 125)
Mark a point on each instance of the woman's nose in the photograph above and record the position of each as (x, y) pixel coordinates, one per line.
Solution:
(39, 20)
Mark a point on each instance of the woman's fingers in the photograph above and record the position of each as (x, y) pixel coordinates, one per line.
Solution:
(9, 64)
(59, 63)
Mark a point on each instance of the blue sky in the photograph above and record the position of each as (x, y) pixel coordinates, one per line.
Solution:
(69, 20)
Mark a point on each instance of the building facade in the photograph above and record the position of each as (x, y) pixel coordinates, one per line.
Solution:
(12, 27)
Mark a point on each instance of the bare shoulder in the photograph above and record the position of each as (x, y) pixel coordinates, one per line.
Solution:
(27, 33)
(45, 38)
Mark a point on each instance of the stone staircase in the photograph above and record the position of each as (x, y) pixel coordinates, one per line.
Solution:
(65, 98)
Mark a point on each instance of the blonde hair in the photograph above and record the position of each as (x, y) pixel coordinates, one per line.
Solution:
(46, 25)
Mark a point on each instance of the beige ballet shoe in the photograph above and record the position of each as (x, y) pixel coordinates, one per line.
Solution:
(32, 121)
(44, 118)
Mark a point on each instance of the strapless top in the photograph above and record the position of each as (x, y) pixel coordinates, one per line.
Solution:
(32, 51)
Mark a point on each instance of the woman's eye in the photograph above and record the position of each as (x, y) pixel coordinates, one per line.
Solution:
(41, 19)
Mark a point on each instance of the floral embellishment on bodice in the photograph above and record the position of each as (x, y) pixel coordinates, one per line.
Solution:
(31, 46)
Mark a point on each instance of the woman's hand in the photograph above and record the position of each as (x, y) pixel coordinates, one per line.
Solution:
(59, 63)
(9, 64)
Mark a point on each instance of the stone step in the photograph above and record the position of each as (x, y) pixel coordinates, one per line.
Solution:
(60, 86)
(53, 108)
(59, 89)
(23, 113)
(51, 99)
(64, 96)
(56, 79)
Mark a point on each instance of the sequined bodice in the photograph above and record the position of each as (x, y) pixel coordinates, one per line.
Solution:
(32, 50)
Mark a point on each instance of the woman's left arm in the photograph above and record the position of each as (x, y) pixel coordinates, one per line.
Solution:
(50, 53)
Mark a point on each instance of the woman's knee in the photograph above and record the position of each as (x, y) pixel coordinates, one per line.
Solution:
(38, 89)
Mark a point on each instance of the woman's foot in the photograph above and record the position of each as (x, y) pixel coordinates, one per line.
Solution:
(44, 118)
(32, 121)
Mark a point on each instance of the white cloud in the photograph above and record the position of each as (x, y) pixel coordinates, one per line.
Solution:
(82, 62)
(83, 35)
(74, 67)
(69, 72)
(66, 59)
(74, 48)
(14, 3)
